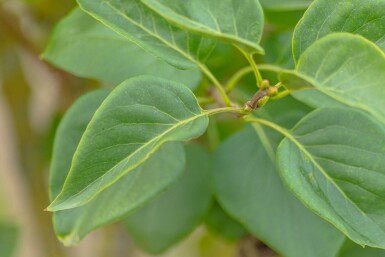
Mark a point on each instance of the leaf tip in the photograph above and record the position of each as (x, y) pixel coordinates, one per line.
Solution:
(56, 206)
(49, 208)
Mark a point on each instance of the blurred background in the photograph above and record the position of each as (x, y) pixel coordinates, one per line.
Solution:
(33, 97)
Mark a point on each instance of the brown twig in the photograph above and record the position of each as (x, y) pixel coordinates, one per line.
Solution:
(261, 97)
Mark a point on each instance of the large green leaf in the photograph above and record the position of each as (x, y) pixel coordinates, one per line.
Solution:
(136, 22)
(129, 193)
(85, 47)
(285, 5)
(363, 17)
(8, 240)
(333, 162)
(248, 186)
(132, 123)
(240, 23)
(175, 213)
(347, 68)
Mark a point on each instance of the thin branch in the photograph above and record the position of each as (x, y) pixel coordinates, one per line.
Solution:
(269, 67)
(216, 83)
(253, 64)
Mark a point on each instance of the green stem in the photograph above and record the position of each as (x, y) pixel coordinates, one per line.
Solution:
(216, 83)
(246, 70)
(281, 95)
(225, 110)
(250, 59)
(279, 84)
(270, 67)
(237, 77)
(272, 125)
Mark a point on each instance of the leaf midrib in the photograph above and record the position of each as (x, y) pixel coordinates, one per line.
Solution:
(217, 32)
(153, 140)
(157, 36)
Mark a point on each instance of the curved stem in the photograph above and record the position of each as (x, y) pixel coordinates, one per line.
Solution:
(234, 80)
(269, 67)
(272, 125)
(216, 83)
(225, 110)
(237, 77)
(281, 95)
(250, 59)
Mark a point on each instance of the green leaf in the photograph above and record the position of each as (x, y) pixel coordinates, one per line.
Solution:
(8, 240)
(248, 187)
(350, 249)
(157, 173)
(347, 68)
(85, 47)
(136, 22)
(240, 23)
(132, 123)
(363, 17)
(333, 162)
(285, 5)
(174, 214)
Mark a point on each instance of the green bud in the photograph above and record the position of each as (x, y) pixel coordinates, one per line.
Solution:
(265, 84)
(273, 91)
